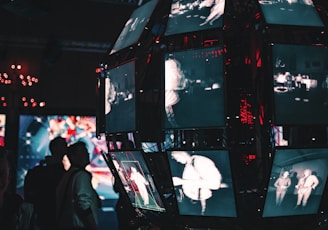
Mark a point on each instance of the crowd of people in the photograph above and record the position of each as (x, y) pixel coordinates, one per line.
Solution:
(58, 194)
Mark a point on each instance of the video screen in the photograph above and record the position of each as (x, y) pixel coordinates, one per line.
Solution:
(203, 182)
(137, 180)
(35, 134)
(297, 182)
(134, 27)
(193, 15)
(300, 84)
(290, 12)
(120, 102)
(2, 129)
(194, 89)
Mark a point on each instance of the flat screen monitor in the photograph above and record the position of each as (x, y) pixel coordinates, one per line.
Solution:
(137, 180)
(134, 27)
(194, 89)
(297, 182)
(35, 134)
(190, 15)
(300, 84)
(120, 99)
(290, 12)
(2, 129)
(203, 182)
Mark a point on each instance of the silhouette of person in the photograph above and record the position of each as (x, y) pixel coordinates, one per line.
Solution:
(282, 184)
(199, 177)
(15, 213)
(77, 201)
(305, 185)
(41, 182)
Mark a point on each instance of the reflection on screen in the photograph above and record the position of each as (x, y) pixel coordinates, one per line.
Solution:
(2, 129)
(120, 98)
(300, 84)
(203, 182)
(297, 182)
(290, 12)
(137, 180)
(35, 133)
(134, 27)
(194, 15)
(194, 93)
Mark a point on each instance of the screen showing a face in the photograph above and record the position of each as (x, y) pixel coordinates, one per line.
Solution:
(134, 26)
(297, 182)
(137, 180)
(190, 15)
(300, 84)
(194, 90)
(203, 182)
(120, 108)
(2, 129)
(290, 12)
(35, 134)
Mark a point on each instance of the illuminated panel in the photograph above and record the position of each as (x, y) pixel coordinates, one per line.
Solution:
(203, 182)
(287, 195)
(290, 12)
(188, 16)
(134, 27)
(35, 134)
(2, 129)
(300, 84)
(137, 181)
(194, 89)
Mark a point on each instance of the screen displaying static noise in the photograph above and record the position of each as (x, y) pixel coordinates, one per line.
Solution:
(297, 182)
(137, 181)
(2, 129)
(300, 84)
(290, 12)
(194, 89)
(192, 15)
(120, 101)
(134, 27)
(35, 134)
(203, 182)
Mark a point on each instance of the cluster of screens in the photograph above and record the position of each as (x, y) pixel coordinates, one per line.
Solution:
(184, 17)
(2, 129)
(300, 84)
(192, 77)
(193, 15)
(195, 194)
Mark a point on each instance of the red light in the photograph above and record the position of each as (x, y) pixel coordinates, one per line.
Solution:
(98, 70)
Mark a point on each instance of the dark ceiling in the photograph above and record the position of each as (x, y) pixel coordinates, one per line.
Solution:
(61, 42)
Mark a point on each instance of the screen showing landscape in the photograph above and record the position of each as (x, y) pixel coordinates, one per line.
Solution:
(297, 182)
(203, 182)
(194, 89)
(192, 15)
(300, 84)
(290, 12)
